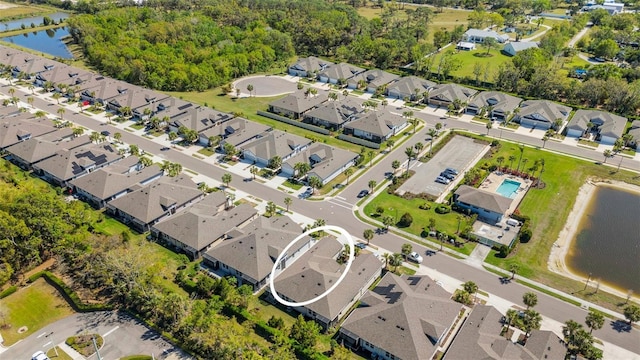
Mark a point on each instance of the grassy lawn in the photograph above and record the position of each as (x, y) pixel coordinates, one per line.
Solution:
(207, 151)
(34, 307)
(293, 185)
(549, 209)
(61, 354)
(589, 143)
(469, 58)
(137, 126)
(21, 11)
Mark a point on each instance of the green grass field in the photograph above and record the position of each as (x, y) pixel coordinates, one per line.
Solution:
(12, 11)
(468, 59)
(34, 307)
(61, 354)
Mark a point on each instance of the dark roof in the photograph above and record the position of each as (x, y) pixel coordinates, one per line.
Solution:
(483, 199)
(379, 123)
(407, 86)
(499, 101)
(610, 124)
(404, 316)
(543, 110)
(326, 159)
(298, 102)
(336, 112)
(341, 71)
(451, 92)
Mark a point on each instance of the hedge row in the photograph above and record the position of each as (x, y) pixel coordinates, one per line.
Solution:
(8, 291)
(69, 295)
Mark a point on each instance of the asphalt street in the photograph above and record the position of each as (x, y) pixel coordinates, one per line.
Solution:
(123, 336)
(339, 213)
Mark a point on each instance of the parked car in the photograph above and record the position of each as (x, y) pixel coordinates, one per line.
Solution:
(164, 148)
(451, 171)
(40, 355)
(105, 133)
(414, 256)
(363, 193)
(447, 175)
(442, 180)
(361, 245)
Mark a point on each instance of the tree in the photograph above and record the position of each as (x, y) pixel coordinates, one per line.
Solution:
(287, 202)
(410, 154)
(371, 154)
(348, 172)
(226, 179)
(607, 49)
(133, 148)
(145, 161)
(500, 160)
(368, 235)
(470, 287)
(532, 320)
(172, 136)
(254, 171)
(418, 146)
(594, 320)
(78, 131)
(117, 136)
(305, 333)
(406, 250)
(30, 101)
(61, 112)
(442, 237)
(395, 164)
(95, 136)
(632, 313)
(172, 169)
(513, 268)
(395, 261)
(512, 158)
(315, 183)
(489, 126)
(372, 184)
(275, 162)
(387, 221)
(510, 316)
(250, 89)
(545, 138)
(301, 169)
(271, 208)
(530, 299)
(489, 43)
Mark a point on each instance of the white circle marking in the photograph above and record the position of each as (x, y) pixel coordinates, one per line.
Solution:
(344, 273)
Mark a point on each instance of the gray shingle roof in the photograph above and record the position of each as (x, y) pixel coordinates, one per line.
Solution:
(317, 270)
(298, 102)
(543, 110)
(202, 224)
(257, 245)
(450, 92)
(483, 199)
(200, 118)
(543, 344)
(610, 124)
(379, 122)
(407, 86)
(341, 71)
(311, 63)
(373, 78)
(486, 33)
(336, 112)
(522, 45)
(404, 316)
(36, 149)
(152, 201)
(14, 129)
(66, 164)
(499, 101)
(332, 159)
(275, 143)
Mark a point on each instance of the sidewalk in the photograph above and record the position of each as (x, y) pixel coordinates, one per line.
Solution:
(72, 353)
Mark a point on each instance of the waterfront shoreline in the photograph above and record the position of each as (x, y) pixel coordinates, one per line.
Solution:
(560, 249)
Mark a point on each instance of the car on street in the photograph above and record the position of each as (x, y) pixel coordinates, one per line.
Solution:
(442, 180)
(447, 175)
(164, 148)
(363, 193)
(361, 245)
(40, 355)
(105, 133)
(451, 171)
(414, 256)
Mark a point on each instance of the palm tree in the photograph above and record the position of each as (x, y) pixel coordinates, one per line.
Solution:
(368, 235)
(395, 165)
(396, 260)
(315, 183)
(372, 185)
(418, 146)
(274, 163)
(254, 171)
(371, 154)
(287, 202)
(459, 217)
(489, 126)
(410, 154)
(145, 161)
(271, 208)
(348, 172)
(500, 160)
(250, 89)
(31, 88)
(78, 131)
(541, 163)
(521, 148)
(594, 320)
(387, 259)
(94, 137)
(406, 250)
(545, 138)
(512, 158)
(432, 133)
(117, 136)
(301, 169)
(172, 136)
(61, 112)
(471, 288)
(530, 299)
(514, 269)
(226, 179)
(333, 96)
(438, 127)
(414, 122)
(387, 221)
(442, 237)
(12, 91)
(532, 320)
(510, 316)
(40, 114)
(56, 96)
(30, 101)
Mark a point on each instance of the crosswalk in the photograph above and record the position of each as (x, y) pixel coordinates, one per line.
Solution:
(342, 202)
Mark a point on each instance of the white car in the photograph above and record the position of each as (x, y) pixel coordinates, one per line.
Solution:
(40, 355)
(415, 257)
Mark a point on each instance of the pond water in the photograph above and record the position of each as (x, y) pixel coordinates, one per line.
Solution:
(37, 20)
(607, 243)
(46, 41)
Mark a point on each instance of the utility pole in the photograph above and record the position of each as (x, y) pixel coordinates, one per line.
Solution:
(95, 346)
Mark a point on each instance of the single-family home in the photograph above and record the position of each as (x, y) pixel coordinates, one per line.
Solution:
(249, 253)
(480, 338)
(166, 109)
(446, 94)
(376, 126)
(606, 126)
(411, 87)
(338, 73)
(513, 48)
(236, 131)
(334, 114)
(499, 105)
(104, 90)
(32, 65)
(490, 207)
(69, 164)
(272, 144)
(77, 80)
(199, 119)
(34, 150)
(197, 229)
(135, 98)
(316, 271)
(9, 111)
(309, 66)
(55, 74)
(112, 182)
(612, 8)
(403, 317)
(21, 127)
(326, 161)
(465, 46)
(297, 104)
(634, 131)
(541, 114)
(372, 80)
(150, 204)
(478, 36)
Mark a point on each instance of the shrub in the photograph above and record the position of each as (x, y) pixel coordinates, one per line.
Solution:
(406, 220)
(443, 209)
(525, 234)
(425, 206)
(8, 291)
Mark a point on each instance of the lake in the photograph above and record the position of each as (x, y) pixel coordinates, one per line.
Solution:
(37, 20)
(46, 41)
(607, 244)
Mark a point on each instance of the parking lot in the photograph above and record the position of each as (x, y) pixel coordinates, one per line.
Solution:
(458, 154)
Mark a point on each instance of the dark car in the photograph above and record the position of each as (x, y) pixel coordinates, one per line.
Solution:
(447, 175)
(451, 171)
(165, 148)
(363, 193)
(442, 180)
(361, 245)
(105, 133)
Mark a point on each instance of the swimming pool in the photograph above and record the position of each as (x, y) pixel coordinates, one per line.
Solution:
(508, 188)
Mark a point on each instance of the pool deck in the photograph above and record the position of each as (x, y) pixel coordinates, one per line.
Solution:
(493, 181)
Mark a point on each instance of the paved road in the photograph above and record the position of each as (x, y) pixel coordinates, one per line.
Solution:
(123, 336)
(340, 213)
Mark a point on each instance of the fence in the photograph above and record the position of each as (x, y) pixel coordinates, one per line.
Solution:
(294, 122)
